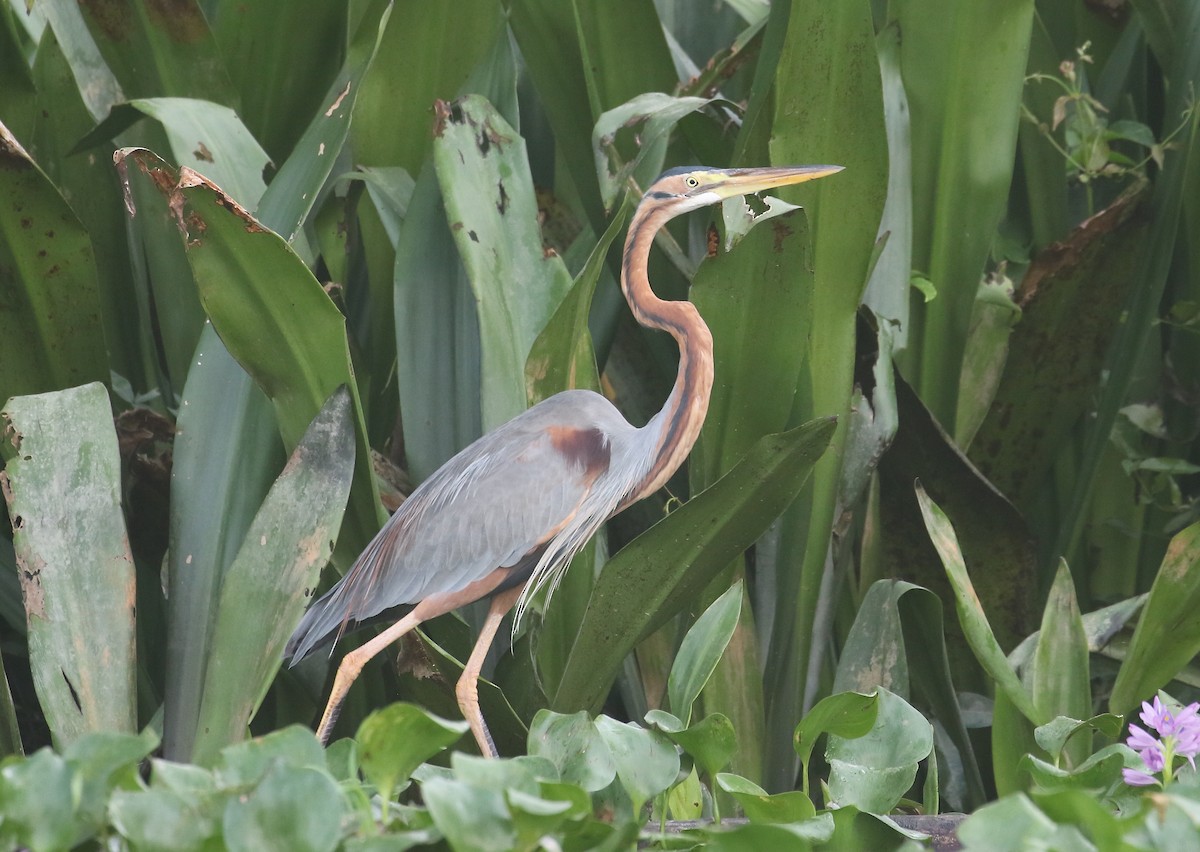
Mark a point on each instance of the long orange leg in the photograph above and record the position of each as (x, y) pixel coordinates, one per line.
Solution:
(467, 689)
(352, 664)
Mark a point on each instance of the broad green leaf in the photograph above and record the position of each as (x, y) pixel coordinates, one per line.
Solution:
(573, 744)
(1058, 731)
(280, 59)
(160, 819)
(50, 273)
(96, 82)
(102, 763)
(659, 111)
(246, 763)
(274, 316)
(654, 576)
(473, 819)
(1100, 771)
(87, 183)
(796, 837)
(426, 52)
(1009, 825)
(37, 800)
(1070, 303)
(291, 808)
(826, 94)
(273, 577)
(1167, 635)
(992, 319)
(394, 741)
(63, 487)
(964, 136)
(711, 742)
(701, 650)
(523, 774)
(897, 642)
(970, 612)
(155, 51)
(535, 817)
(488, 192)
(846, 714)
(874, 771)
(645, 760)
(1061, 678)
(227, 453)
(760, 807)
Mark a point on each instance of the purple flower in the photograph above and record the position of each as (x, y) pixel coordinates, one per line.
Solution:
(1178, 734)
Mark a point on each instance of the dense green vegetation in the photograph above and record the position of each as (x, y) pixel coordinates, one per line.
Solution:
(305, 252)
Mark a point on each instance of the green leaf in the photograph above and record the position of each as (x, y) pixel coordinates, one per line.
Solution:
(36, 798)
(574, 745)
(711, 742)
(103, 762)
(1012, 824)
(50, 272)
(1167, 635)
(846, 714)
(1055, 734)
(645, 760)
(473, 819)
(484, 174)
(653, 577)
(701, 650)
(1061, 681)
(290, 809)
(152, 52)
(970, 611)
(964, 137)
(275, 575)
(753, 837)
(874, 771)
(394, 741)
(160, 819)
(63, 487)
(760, 807)
(245, 764)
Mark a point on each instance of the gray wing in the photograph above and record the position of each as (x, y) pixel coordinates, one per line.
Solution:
(499, 500)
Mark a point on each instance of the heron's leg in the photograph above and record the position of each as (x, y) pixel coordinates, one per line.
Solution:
(467, 689)
(353, 663)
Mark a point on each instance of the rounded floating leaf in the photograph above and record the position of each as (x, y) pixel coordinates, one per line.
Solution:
(394, 741)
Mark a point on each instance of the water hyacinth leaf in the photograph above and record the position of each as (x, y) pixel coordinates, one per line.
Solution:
(874, 771)
(160, 819)
(473, 819)
(846, 714)
(51, 273)
(970, 612)
(63, 487)
(244, 764)
(686, 799)
(574, 745)
(645, 760)
(37, 800)
(1167, 635)
(101, 763)
(275, 574)
(701, 650)
(1056, 733)
(1008, 825)
(524, 773)
(711, 742)
(753, 837)
(652, 578)
(289, 809)
(483, 171)
(534, 817)
(761, 807)
(397, 739)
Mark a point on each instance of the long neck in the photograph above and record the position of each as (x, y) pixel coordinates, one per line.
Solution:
(677, 425)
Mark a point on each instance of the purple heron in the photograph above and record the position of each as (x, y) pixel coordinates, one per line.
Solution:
(503, 518)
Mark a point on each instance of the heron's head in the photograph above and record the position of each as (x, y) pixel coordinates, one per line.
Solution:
(690, 187)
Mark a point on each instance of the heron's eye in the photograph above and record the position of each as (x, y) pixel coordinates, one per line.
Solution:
(692, 182)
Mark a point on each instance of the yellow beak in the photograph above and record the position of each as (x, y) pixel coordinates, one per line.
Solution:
(749, 181)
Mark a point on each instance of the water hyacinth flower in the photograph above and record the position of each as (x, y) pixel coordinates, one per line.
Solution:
(1178, 736)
